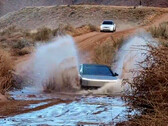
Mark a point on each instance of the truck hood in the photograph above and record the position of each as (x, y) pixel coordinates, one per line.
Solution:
(99, 78)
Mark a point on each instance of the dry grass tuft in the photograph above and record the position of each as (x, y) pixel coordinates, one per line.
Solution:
(21, 52)
(14, 40)
(104, 53)
(161, 31)
(20, 44)
(63, 29)
(9, 30)
(69, 29)
(92, 28)
(6, 75)
(42, 34)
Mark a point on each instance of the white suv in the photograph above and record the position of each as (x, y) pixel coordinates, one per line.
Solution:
(108, 25)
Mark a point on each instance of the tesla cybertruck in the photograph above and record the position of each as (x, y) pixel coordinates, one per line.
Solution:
(93, 75)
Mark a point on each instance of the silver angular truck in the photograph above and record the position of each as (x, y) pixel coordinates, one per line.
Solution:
(93, 75)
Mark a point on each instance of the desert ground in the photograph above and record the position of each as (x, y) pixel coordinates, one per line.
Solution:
(25, 102)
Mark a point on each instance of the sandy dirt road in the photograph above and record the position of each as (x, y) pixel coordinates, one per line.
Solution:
(87, 42)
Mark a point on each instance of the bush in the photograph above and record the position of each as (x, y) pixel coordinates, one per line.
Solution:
(9, 30)
(6, 68)
(55, 32)
(117, 43)
(21, 52)
(93, 28)
(20, 43)
(69, 29)
(62, 30)
(161, 31)
(42, 34)
(104, 53)
(149, 92)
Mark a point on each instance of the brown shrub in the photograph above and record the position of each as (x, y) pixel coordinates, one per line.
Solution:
(104, 53)
(118, 42)
(63, 29)
(92, 28)
(149, 92)
(9, 30)
(161, 31)
(69, 29)
(42, 34)
(20, 43)
(21, 52)
(6, 68)
(20, 47)
(55, 32)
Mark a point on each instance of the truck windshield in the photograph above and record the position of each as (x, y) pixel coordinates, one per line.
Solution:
(108, 23)
(97, 70)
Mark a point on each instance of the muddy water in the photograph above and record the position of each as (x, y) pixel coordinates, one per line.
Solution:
(83, 109)
(87, 110)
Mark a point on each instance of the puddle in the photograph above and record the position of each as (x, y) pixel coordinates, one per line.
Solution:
(36, 105)
(89, 110)
(28, 93)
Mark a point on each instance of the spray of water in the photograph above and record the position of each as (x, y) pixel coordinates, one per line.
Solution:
(127, 59)
(54, 65)
(132, 52)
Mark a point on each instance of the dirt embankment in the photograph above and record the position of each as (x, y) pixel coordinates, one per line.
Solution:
(14, 5)
(77, 15)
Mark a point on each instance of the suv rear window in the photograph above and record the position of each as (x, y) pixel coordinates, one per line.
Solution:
(108, 22)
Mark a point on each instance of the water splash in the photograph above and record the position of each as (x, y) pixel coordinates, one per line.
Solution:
(55, 65)
(132, 52)
(127, 58)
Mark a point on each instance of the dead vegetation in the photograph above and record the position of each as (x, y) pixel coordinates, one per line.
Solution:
(21, 42)
(149, 94)
(69, 29)
(161, 31)
(6, 69)
(104, 52)
(42, 34)
(14, 40)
